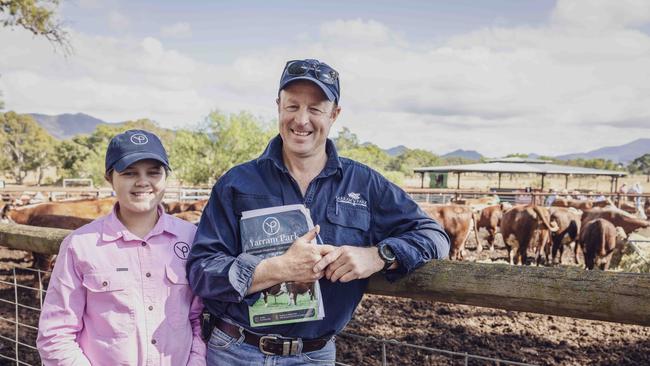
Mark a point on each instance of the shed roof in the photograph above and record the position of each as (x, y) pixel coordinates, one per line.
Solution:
(519, 168)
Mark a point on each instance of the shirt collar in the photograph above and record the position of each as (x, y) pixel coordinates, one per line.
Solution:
(273, 152)
(113, 229)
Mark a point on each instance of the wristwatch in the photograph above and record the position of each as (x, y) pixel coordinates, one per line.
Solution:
(387, 255)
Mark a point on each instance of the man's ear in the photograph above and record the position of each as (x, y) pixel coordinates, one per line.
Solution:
(335, 112)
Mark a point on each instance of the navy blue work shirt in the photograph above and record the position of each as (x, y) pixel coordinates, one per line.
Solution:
(353, 204)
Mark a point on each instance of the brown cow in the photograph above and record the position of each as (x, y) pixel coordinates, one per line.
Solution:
(490, 219)
(523, 227)
(457, 222)
(580, 204)
(175, 207)
(568, 221)
(62, 215)
(198, 205)
(88, 209)
(599, 238)
(298, 288)
(487, 200)
(191, 216)
(628, 222)
(275, 291)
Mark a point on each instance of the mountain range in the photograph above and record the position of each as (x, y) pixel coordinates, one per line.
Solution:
(64, 126)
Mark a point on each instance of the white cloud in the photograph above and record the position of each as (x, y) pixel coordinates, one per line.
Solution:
(117, 20)
(177, 30)
(566, 86)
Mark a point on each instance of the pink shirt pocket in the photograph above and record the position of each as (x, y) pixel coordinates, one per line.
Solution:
(177, 307)
(109, 304)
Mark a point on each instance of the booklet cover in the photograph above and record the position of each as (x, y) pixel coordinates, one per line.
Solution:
(269, 232)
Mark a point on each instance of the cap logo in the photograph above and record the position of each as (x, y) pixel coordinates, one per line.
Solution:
(139, 139)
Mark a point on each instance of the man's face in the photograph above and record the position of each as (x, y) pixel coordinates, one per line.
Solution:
(305, 117)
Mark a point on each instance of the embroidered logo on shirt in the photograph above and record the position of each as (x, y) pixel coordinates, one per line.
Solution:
(271, 226)
(352, 198)
(181, 249)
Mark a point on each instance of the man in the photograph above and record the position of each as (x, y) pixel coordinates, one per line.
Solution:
(368, 224)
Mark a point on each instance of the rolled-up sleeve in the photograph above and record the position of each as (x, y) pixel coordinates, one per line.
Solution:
(215, 269)
(414, 237)
(61, 316)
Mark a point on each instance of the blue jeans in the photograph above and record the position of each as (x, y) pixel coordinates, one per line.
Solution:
(228, 351)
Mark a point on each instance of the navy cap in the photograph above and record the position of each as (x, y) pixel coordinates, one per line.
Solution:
(132, 146)
(315, 71)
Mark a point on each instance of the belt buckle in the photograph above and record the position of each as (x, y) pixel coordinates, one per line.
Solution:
(289, 345)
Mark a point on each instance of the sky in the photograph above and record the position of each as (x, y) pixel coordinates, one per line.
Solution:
(495, 76)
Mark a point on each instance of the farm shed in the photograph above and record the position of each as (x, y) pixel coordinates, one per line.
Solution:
(521, 166)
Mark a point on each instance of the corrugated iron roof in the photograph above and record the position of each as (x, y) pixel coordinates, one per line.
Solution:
(522, 168)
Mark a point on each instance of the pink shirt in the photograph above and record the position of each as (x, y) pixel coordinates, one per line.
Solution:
(116, 299)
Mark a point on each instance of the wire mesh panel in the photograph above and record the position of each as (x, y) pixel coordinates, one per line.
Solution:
(377, 351)
(21, 298)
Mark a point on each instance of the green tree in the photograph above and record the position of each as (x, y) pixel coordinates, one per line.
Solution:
(641, 165)
(413, 158)
(26, 146)
(346, 140)
(238, 137)
(192, 157)
(36, 16)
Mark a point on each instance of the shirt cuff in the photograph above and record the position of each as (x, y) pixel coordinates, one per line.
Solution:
(241, 275)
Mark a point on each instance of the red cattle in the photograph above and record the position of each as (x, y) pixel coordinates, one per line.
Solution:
(457, 221)
(568, 221)
(198, 205)
(599, 238)
(191, 216)
(628, 222)
(580, 204)
(89, 209)
(524, 227)
(175, 207)
(490, 220)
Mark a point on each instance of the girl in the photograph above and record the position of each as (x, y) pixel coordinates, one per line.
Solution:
(118, 293)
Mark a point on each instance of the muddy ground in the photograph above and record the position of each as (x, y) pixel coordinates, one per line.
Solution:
(507, 335)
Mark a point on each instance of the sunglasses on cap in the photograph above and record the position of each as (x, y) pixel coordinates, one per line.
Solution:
(322, 72)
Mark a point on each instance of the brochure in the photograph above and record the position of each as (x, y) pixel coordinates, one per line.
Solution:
(269, 232)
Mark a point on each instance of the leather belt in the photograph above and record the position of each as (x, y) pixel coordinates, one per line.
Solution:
(273, 344)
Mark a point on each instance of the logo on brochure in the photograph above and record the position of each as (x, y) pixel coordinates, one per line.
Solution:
(181, 249)
(352, 198)
(271, 226)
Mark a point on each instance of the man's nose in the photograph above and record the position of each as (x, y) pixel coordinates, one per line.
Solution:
(302, 117)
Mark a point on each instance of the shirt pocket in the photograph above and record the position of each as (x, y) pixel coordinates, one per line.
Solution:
(109, 304)
(349, 224)
(246, 202)
(179, 296)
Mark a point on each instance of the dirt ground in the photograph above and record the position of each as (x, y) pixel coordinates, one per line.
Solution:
(507, 335)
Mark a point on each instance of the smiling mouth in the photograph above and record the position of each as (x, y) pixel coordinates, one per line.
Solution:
(301, 133)
(141, 194)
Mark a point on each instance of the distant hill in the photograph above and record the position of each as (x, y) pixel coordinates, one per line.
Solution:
(64, 126)
(396, 151)
(465, 154)
(620, 154)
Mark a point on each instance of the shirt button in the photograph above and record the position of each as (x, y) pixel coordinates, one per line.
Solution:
(153, 341)
(150, 307)
(104, 283)
(148, 274)
(144, 244)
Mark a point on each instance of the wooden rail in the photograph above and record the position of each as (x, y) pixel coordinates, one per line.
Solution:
(565, 291)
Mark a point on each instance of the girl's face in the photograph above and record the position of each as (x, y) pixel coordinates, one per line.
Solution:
(140, 187)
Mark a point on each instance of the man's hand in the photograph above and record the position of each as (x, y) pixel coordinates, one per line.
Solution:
(347, 263)
(296, 264)
(301, 257)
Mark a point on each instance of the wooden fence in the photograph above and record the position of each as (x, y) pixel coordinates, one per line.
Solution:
(609, 296)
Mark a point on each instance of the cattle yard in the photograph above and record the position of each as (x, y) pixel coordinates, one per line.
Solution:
(480, 311)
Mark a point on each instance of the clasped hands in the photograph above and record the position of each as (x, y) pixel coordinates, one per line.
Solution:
(309, 262)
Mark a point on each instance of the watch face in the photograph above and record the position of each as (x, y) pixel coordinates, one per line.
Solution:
(387, 253)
